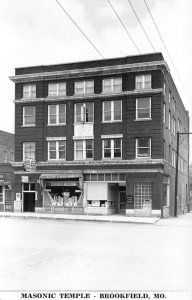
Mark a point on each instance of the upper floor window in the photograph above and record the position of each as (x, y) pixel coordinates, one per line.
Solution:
(143, 147)
(169, 96)
(5, 158)
(173, 158)
(143, 108)
(57, 150)
(174, 105)
(29, 91)
(143, 82)
(173, 126)
(112, 111)
(84, 112)
(1, 193)
(164, 113)
(83, 149)
(57, 89)
(28, 115)
(29, 150)
(112, 148)
(84, 87)
(169, 120)
(57, 114)
(112, 85)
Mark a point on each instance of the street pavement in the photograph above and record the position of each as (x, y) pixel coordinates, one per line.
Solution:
(49, 254)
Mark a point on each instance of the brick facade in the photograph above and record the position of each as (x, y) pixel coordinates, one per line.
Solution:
(154, 170)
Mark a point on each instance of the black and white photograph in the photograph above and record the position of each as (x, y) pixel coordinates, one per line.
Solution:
(95, 149)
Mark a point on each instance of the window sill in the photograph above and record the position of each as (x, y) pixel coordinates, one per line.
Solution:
(56, 160)
(84, 123)
(110, 159)
(143, 158)
(109, 122)
(52, 125)
(138, 120)
(28, 126)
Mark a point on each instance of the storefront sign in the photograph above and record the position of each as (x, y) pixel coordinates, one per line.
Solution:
(18, 196)
(59, 176)
(25, 179)
(129, 199)
(29, 165)
(63, 183)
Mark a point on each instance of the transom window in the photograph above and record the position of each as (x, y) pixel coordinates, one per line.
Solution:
(29, 91)
(143, 82)
(112, 111)
(112, 148)
(143, 147)
(57, 150)
(84, 112)
(143, 108)
(112, 85)
(57, 89)
(83, 149)
(84, 87)
(28, 115)
(56, 114)
(29, 150)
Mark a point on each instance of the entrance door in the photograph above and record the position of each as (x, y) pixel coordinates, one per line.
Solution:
(29, 202)
(122, 202)
(143, 199)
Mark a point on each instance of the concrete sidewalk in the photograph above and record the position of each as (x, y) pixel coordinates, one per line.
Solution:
(94, 218)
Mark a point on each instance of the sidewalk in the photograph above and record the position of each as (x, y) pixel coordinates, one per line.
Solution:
(180, 221)
(95, 218)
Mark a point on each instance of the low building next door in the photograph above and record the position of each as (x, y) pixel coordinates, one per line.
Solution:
(29, 202)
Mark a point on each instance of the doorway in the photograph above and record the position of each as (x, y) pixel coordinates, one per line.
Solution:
(29, 202)
(122, 202)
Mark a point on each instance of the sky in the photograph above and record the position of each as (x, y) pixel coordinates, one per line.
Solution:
(37, 32)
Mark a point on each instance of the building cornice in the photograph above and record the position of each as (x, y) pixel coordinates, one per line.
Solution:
(120, 162)
(92, 96)
(88, 72)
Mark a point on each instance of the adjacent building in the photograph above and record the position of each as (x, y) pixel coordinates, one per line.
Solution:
(6, 171)
(99, 137)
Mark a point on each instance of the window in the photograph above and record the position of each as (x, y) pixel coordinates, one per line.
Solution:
(56, 114)
(57, 89)
(173, 158)
(1, 194)
(174, 105)
(29, 116)
(169, 96)
(83, 149)
(112, 148)
(29, 150)
(29, 91)
(84, 112)
(170, 158)
(166, 191)
(143, 108)
(84, 87)
(164, 113)
(169, 120)
(5, 156)
(143, 147)
(142, 194)
(112, 85)
(143, 82)
(112, 111)
(173, 126)
(56, 150)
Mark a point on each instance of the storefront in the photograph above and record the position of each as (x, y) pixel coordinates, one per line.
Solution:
(5, 194)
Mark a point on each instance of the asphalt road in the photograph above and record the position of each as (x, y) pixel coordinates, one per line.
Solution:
(50, 254)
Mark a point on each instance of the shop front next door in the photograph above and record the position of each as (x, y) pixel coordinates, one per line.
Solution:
(29, 202)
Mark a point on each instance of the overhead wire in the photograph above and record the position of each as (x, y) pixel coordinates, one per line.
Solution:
(88, 39)
(127, 32)
(165, 46)
(142, 26)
